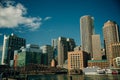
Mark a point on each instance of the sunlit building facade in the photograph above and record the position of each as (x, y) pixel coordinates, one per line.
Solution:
(99, 63)
(96, 47)
(114, 50)
(64, 45)
(111, 35)
(62, 51)
(77, 60)
(87, 30)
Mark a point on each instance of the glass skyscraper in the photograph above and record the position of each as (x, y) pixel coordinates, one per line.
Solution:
(11, 43)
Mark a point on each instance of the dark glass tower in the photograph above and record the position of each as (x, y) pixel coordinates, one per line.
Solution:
(11, 43)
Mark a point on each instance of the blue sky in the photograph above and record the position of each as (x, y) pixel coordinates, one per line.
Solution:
(39, 21)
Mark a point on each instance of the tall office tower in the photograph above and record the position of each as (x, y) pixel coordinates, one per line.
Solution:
(11, 43)
(54, 45)
(64, 45)
(96, 47)
(71, 44)
(111, 35)
(86, 29)
(47, 51)
(62, 51)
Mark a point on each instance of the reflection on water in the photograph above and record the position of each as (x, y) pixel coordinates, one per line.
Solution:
(74, 77)
(103, 77)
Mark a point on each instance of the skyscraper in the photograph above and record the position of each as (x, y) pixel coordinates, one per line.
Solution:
(96, 47)
(71, 44)
(54, 45)
(111, 35)
(87, 30)
(64, 45)
(11, 43)
(47, 51)
(62, 51)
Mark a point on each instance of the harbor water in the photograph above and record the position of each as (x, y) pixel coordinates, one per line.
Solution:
(73, 77)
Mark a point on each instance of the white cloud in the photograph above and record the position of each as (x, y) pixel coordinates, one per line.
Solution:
(47, 18)
(11, 16)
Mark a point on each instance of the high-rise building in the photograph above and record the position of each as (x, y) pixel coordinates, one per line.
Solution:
(111, 35)
(96, 47)
(54, 45)
(61, 46)
(11, 43)
(62, 51)
(71, 44)
(47, 51)
(87, 30)
(64, 45)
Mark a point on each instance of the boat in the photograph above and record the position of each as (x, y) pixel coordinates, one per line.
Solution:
(101, 71)
(90, 70)
(108, 71)
(114, 72)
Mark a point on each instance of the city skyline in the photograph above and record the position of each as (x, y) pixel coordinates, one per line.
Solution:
(50, 19)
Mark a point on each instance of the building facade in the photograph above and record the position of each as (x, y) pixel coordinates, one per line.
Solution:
(29, 55)
(114, 50)
(55, 49)
(77, 60)
(87, 30)
(71, 44)
(11, 43)
(116, 62)
(99, 63)
(77, 48)
(96, 47)
(111, 35)
(62, 51)
(47, 51)
(64, 45)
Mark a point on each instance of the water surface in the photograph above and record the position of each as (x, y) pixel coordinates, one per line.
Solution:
(74, 77)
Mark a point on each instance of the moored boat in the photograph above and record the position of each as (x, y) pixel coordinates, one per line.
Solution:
(90, 70)
(101, 71)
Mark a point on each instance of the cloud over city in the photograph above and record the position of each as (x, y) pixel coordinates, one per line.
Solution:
(13, 15)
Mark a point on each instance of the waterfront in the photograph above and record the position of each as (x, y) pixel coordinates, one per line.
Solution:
(74, 77)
